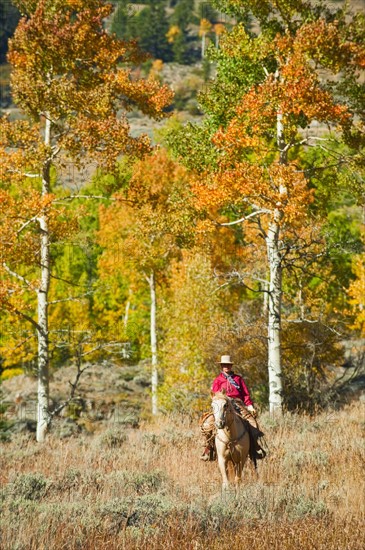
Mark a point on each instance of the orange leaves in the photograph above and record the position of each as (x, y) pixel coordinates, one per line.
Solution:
(295, 92)
(273, 188)
(327, 44)
(147, 94)
(229, 185)
(105, 139)
(300, 91)
(294, 87)
(66, 64)
(152, 178)
(286, 87)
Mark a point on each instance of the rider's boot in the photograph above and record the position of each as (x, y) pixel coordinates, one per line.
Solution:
(259, 451)
(206, 454)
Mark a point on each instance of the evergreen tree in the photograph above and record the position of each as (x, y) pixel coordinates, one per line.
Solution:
(182, 17)
(149, 26)
(9, 17)
(123, 21)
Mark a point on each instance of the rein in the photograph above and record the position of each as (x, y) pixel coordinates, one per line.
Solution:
(232, 442)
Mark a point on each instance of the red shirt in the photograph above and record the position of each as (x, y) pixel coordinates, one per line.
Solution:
(242, 392)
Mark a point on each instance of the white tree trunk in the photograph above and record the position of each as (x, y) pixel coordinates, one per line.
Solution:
(274, 319)
(154, 375)
(203, 45)
(43, 416)
(126, 313)
(275, 289)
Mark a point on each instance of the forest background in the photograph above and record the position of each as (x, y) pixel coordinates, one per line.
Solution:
(148, 269)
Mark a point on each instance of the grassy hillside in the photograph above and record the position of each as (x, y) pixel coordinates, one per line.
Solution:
(145, 488)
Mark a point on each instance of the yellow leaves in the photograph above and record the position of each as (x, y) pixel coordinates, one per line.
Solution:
(204, 27)
(172, 34)
(192, 321)
(10, 373)
(156, 68)
(356, 292)
(237, 43)
(147, 224)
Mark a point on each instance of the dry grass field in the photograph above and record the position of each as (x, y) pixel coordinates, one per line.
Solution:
(145, 488)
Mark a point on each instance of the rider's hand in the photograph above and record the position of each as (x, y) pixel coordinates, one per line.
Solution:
(252, 410)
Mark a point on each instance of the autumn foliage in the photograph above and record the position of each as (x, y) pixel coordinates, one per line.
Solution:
(232, 230)
(75, 83)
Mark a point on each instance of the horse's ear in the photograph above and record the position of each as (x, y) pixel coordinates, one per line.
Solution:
(223, 391)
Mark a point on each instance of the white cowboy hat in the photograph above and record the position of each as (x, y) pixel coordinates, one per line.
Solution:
(226, 360)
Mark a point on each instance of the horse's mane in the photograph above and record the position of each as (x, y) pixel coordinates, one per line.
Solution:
(222, 395)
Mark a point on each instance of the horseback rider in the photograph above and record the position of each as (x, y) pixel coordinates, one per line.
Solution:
(235, 387)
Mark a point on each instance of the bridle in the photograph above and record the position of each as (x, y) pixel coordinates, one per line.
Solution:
(221, 422)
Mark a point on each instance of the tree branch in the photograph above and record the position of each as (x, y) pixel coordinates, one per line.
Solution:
(21, 343)
(73, 385)
(79, 373)
(26, 224)
(313, 321)
(245, 218)
(98, 197)
(16, 275)
(27, 318)
(26, 174)
(240, 276)
(71, 299)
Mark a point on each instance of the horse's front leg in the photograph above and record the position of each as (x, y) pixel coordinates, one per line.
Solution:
(239, 464)
(222, 464)
(238, 472)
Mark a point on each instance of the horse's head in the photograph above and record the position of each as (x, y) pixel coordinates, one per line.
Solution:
(222, 409)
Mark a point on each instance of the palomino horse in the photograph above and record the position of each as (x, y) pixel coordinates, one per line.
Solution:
(232, 439)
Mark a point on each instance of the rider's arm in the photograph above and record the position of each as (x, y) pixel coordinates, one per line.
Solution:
(245, 394)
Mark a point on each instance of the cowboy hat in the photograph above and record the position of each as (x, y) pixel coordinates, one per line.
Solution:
(225, 360)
